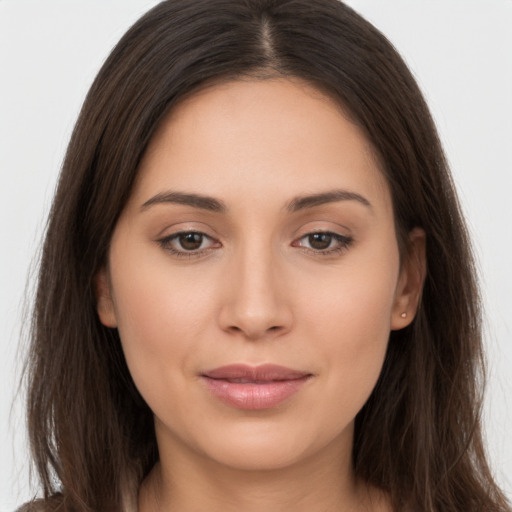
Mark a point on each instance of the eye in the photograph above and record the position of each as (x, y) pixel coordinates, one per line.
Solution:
(188, 243)
(323, 242)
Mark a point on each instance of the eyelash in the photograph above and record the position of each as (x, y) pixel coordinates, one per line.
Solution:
(343, 243)
(166, 242)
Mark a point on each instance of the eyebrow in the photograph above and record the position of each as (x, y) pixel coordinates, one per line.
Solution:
(332, 196)
(195, 200)
(215, 205)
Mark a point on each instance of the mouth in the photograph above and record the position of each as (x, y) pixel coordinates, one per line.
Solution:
(254, 387)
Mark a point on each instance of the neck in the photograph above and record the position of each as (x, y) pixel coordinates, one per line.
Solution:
(189, 482)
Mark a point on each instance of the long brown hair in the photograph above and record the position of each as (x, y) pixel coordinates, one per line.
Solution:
(418, 437)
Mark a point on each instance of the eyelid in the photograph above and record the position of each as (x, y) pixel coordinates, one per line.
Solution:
(338, 243)
(166, 243)
(343, 243)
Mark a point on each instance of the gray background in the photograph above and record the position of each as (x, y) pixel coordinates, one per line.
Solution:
(460, 52)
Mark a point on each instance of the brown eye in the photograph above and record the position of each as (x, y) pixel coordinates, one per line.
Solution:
(189, 244)
(324, 243)
(319, 241)
(190, 241)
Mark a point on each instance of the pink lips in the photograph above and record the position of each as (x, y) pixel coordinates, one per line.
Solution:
(249, 387)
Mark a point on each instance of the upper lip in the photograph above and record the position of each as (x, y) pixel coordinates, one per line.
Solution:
(261, 373)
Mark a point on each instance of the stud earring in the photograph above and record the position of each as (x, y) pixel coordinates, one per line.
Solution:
(404, 315)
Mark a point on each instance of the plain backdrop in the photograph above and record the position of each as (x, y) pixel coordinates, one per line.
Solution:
(460, 52)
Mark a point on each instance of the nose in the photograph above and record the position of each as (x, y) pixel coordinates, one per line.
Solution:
(255, 301)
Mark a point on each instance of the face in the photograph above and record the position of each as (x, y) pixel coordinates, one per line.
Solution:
(254, 276)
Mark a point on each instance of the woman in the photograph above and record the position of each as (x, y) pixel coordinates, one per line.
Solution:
(256, 289)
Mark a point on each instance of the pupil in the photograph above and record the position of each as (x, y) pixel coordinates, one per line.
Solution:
(320, 240)
(191, 241)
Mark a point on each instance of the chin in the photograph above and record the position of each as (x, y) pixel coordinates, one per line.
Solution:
(266, 448)
(258, 457)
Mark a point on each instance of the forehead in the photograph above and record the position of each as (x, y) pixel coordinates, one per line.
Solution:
(259, 139)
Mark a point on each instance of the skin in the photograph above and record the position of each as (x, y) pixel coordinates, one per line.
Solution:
(258, 290)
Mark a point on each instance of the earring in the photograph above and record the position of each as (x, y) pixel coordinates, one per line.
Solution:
(404, 315)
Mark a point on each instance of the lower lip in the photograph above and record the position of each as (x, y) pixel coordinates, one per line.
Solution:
(254, 396)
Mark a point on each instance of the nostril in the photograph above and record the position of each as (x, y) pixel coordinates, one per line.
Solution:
(255, 315)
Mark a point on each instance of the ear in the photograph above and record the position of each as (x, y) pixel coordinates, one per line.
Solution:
(410, 282)
(104, 302)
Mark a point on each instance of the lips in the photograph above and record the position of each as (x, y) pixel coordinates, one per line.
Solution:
(254, 387)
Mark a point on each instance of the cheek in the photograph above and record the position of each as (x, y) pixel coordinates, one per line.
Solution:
(161, 318)
(350, 316)
(354, 301)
